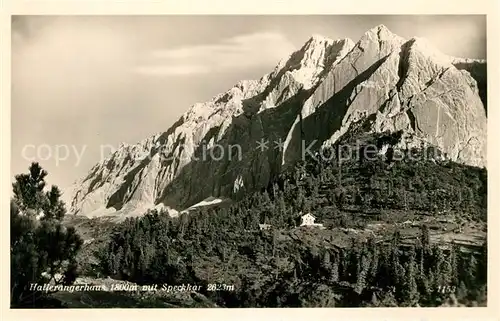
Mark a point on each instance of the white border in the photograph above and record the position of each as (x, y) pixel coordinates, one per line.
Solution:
(117, 7)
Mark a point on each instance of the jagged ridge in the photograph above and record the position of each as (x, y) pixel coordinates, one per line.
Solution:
(315, 94)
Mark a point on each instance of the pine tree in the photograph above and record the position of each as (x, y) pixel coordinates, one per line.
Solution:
(374, 300)
(389, 300)
(426, 288)
(361, 276)
(446, 275)
(28, 190)
(440, 273)
(275, 242)
(340, 197)
(462, 292)
(375, 252)
(326, 264)
(300, 199)
(332, 199)
(334, 277)
(482, 265)
(454, 278)
(410, 291)
(42, 249)
(471, 272)
(397, 271)
(425, 237)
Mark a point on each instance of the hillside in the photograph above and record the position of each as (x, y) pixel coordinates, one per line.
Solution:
(405, 213)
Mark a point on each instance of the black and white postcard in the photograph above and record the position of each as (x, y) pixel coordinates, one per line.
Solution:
(258, 161)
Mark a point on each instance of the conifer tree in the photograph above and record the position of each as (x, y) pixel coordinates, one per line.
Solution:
(326, 264)
(471, 272)
(361, 283)
(42, 249)
(389, 300)
(335, 269)
(482, 266)
(410, 291)
(462, 291)
(374, 301)
(453, 259)
(425, 238)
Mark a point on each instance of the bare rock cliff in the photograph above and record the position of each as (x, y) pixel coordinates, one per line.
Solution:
(311, 98)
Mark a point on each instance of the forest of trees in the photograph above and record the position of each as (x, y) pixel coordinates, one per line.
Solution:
(282, 267)
(271, 269)
(157, 249)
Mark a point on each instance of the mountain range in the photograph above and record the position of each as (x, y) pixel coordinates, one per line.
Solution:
(321, 92)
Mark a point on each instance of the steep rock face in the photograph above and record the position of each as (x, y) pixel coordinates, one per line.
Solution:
(477, 69)
(310, 99)
(133, 178)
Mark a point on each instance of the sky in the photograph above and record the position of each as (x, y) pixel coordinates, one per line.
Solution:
(83, 82)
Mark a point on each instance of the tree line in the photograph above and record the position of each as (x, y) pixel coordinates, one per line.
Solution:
(275, 267)
(274, 271)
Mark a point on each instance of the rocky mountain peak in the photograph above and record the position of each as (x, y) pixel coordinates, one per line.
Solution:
(316, 56)
(315, 51)
(317, 38)
(316, 94)
(382, 38)
(380, 29)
